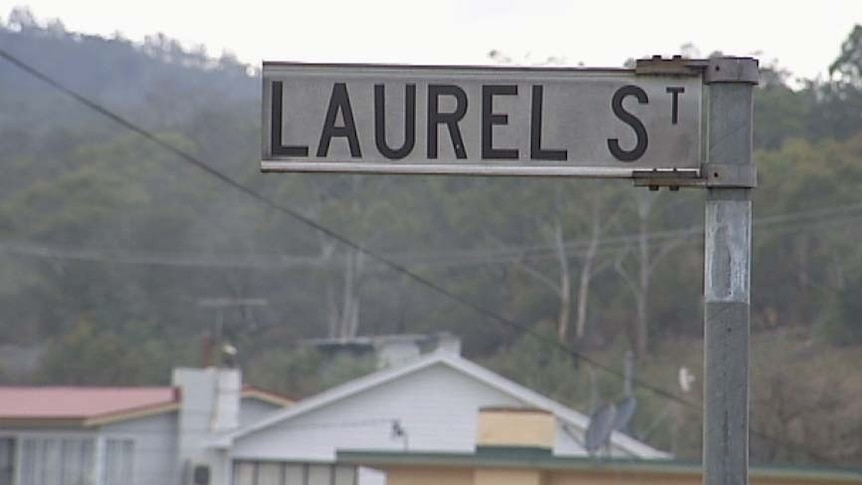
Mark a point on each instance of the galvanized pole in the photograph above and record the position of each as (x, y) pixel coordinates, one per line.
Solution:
(727, 268)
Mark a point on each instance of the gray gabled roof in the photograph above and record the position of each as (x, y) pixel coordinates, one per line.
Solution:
(459, 364)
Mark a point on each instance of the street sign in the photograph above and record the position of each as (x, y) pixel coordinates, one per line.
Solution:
(478, 120)
(643, 123)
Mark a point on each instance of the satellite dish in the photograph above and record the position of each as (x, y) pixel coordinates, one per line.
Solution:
(625, 412)
(600, 428)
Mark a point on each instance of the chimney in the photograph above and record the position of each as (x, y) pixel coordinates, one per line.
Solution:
(448, 343)
(396, 350)
(515, 432)
(228, 394)
(210, 400)
(516, 428)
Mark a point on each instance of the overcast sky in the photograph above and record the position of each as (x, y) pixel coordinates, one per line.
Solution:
(803, 36)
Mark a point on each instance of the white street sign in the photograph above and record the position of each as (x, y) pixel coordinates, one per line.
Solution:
(478, 120)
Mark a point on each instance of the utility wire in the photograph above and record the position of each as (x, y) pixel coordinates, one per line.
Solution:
(235, 184)
(777, 224)
(797, 221)
(399, 268)
(279, 261)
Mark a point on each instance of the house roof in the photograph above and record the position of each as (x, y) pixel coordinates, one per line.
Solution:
(79, 402)
(84, 405)
(92, 406)
(459, 364)
(275, 398)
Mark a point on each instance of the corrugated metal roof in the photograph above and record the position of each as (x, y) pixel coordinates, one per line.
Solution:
(92, 405)
(80, 402)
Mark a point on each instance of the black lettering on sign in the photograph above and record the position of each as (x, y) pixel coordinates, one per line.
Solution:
(435, 117)
(489, 119)
(276, 144)
(631, 120)
(674, 108)
(409, 122)
(536, 150)
(339, 101)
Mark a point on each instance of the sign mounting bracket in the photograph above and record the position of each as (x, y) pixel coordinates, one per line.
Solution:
(710, 175)
(674, 66)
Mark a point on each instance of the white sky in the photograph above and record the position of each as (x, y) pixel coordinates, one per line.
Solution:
(804, 36)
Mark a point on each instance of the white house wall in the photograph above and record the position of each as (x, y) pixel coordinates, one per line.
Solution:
(252, 410)
(437, 407)
(155, 448)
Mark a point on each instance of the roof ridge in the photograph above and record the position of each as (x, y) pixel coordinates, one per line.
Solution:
(341, 391)
(457, 363)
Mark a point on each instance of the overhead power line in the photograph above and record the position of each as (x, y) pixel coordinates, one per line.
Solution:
(802, 221)
(174, 259)
(395, 266)
(263, 199)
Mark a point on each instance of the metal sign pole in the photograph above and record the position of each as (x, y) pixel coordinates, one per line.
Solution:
(727, 268)
(534, 138)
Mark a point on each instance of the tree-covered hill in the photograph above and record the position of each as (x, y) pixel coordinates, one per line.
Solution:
(143, 82)
(110, 245)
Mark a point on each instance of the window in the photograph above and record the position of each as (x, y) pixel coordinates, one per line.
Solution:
(7, 461)
(57, 461)
(319, 475)
(247, 472)
(118, 469)
(294, 474)
(66, 461)
(345, 475)
(269, 474)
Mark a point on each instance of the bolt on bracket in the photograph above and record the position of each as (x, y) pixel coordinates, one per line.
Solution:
(711, 175)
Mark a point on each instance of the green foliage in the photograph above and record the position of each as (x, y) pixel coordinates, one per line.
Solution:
(804, 400)
(780, 114)
(848, 64)
(304, 371)
(802, 262)
(88, 355)
(83, 185)
(345, 368)
(841, 323)
(292, 372)
(532, 363)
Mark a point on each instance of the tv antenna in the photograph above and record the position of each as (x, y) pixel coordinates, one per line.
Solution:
(226, 353)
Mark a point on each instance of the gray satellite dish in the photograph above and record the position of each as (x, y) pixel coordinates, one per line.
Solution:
(600, 428)
(625, 412)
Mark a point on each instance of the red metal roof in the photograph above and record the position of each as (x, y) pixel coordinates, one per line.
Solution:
(80, 402)
(97, 405)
